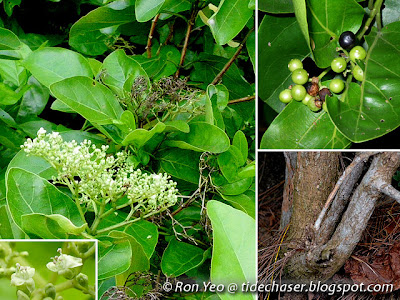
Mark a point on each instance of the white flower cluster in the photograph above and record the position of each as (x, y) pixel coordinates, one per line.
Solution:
(101, 178)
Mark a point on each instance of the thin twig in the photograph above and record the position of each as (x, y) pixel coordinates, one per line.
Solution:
(233, 58)
(373, 13)
(244, 99)
(151, 33)
(186, 43)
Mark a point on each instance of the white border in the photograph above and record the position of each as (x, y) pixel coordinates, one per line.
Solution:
(96, 256)
(256, 137)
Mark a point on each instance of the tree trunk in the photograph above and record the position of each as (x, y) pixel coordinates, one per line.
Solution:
(322, 237)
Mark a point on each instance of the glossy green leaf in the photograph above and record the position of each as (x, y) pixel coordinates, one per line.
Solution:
(141, 136)
(119, 68)
(297, 127)
(177, 125)
(276, 6)
(208, 66)
(115, 256)
(10, 138)
(8, 228)
(12, 71)
(229, 163)
(240, 141)
(371, 110)
(180, 163)
(300, 11)
(8, 40)
(203, 137)
(280, 40)
(179, 258)
(50, 65)
(229, 20)
(327, 19)
(234, 256)
(93, 33)
(9, 96)
(34, 100)
(242, 202)
(146, 9)
(92, 100)
(28, 193)
(236, 188)
(251, 49)
(34, 164)
(50, 226)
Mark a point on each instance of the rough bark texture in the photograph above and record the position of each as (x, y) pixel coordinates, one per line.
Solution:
(287, 203)
(315, 177)
(324, 254)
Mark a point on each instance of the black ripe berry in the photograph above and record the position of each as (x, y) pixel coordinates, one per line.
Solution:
(347, 40)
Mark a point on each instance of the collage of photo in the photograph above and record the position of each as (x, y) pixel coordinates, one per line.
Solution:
(199, 149)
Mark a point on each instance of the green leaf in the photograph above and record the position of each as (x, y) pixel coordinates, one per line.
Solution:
(208, 66)
(10, 138)
(8, 40)
(242, 202)
(229, 20)
(297, 127)
(276, 6)
(50, 65)
(203, 137)
(139, 137)
(90, 99)
(234, 247)
(34, 100)
(300, 11)
(229, 163)
(177, 125)
(28, 193)
(181, 257)
(50, 226)
(327, 20)
(236, 187)
(371, 110)
(93, 33)
(115, 256)
(119, 68)
(12, 71)
(240, 141)
(180, 163)
(9, 96)
(33, 164)
(251, 49)
(8, 228)
(146, 9)
(280, 41)
(391, 12)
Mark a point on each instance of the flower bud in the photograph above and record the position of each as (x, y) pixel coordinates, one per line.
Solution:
(22, 296)
(67, 274)
(48, 298)
(82, 279)
(83, 246)
(50, 290)
(59, 298)
(3, 252)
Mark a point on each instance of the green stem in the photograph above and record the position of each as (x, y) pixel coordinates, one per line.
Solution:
(97, 219)
(372, 15)
(324, 73)
(89, 253)
(370, 4)
(128, 222)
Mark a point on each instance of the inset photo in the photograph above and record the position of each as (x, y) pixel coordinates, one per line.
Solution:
(329, 225)
(329, 74)
(43, 269)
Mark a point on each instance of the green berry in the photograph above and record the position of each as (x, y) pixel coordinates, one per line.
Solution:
(50, 290)
(357, 52)
(285, 96)
(82, 279)
(300, 76)
(338, 65)
(299, 92)
(311, 105)
(295, 64)
(336, 86)
(307, 98)
(358, 73)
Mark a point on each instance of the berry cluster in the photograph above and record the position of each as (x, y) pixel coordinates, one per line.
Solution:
(309, 90)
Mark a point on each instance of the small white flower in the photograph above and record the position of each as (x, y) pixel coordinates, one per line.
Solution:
(22, 275)
(63, 263)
